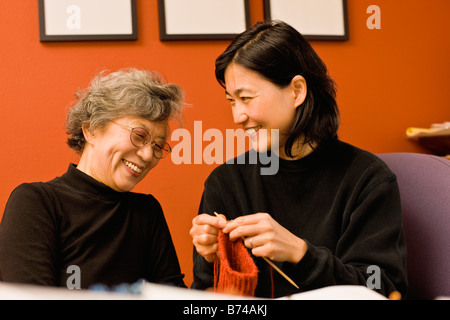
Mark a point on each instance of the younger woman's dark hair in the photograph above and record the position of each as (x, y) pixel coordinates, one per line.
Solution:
(278, 52)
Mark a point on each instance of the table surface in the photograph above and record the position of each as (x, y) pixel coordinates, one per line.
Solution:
(150, 291)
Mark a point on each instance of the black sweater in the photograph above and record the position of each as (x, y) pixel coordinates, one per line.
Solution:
(343, 201)
(113, 237)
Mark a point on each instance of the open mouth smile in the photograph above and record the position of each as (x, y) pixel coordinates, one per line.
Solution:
(252, 131)
(132, 166)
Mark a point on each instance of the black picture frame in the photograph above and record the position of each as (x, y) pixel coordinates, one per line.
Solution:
(187, 34)
(338, 31)
(68, 35)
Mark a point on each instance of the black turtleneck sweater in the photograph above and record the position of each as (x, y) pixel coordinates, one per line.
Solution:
(113, 237)
(343, 201)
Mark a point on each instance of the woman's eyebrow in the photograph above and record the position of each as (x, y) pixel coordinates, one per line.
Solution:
(159, 137)
(239, 91)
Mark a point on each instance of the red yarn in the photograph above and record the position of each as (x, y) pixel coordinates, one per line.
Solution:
(235, 272)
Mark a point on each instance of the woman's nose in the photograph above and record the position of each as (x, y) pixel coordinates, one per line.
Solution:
(146, 152)
(239, 114)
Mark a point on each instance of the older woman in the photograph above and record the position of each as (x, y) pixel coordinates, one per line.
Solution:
(87, 220)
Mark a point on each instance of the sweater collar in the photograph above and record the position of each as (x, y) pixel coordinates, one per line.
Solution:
(84, 183)
(323, 152)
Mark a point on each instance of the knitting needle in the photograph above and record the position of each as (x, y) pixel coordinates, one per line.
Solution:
(267, 260)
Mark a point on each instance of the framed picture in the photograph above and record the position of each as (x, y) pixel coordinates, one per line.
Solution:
(202, 19)
(314, 19)
(81, 20)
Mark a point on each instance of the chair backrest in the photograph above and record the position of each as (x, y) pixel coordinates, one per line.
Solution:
(424, 183)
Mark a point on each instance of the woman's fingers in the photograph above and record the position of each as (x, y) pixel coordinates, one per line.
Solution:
(206, 219)
(247, 226)
(204, 231)
(266, 237)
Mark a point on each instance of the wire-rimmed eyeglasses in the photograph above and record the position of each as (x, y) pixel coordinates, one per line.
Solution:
(140, 137)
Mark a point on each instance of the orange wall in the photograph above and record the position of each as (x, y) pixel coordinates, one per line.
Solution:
(387, 79)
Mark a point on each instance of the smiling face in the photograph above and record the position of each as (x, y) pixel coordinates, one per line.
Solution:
(257, 103)
(110, 157)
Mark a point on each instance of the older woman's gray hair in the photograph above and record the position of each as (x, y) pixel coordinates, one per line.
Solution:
(130, 92)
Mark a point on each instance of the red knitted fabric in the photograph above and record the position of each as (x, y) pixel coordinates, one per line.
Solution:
(235, 272)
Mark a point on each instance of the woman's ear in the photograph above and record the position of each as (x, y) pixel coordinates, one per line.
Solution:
(88, 135)
(300, 89)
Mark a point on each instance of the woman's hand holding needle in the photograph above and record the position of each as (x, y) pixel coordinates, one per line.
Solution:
(266, 259)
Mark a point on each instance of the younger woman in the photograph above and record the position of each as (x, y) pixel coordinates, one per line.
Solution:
(331, 214)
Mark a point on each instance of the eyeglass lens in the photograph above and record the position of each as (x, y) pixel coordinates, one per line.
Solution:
(140, 138)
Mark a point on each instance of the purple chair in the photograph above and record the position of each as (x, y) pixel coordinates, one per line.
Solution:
(424, 183)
